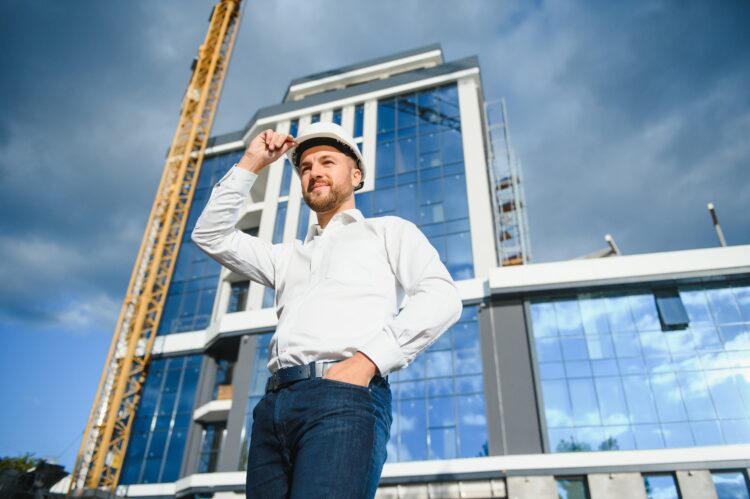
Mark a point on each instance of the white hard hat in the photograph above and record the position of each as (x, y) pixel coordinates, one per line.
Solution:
(326, 133)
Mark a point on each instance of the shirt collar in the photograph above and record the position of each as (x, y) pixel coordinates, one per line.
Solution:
(346, 217)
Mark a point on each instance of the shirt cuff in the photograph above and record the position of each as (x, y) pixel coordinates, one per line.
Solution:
(383, 350)
(237, 179)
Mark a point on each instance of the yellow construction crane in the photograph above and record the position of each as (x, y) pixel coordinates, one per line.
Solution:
(107, 433)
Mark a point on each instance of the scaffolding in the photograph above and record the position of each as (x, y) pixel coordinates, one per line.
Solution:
(508, 199)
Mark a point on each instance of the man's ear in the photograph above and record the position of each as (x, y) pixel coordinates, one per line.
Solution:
(356, 176)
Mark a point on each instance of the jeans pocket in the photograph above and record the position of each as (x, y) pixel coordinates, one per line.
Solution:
(346, 385)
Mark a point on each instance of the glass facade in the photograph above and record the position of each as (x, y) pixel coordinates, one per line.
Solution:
(258, 378)
(287, 174)
(420, 172)
(165, 411)
(238, 296)
(612, 377)
(660, 486)
(572, 488)
(304, 221)
(730, 484)
(438, 400)
(191, 294)
(211, 445)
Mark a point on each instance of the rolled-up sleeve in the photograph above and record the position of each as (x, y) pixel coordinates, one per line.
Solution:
(215, 232)
(433, 303)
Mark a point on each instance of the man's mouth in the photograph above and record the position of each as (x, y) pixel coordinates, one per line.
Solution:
(318, 187)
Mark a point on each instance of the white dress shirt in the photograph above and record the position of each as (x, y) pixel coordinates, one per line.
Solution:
(341, 290)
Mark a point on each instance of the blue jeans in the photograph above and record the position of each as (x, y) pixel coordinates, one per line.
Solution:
(319, 438)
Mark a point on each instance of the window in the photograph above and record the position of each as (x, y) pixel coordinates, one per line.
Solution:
(572, 488)
(238, 296)
(223, 379)
(315, 118)
(278, 227)
(303, 222)
(730, 484)
(258, 378)
(192, 290)
(672, 313)
(359, 118)
(612, 379)
(438, 400)
(161, 423)
(336, 118)
(286, 179)
(269, 298)
(660, 486)
(211, 445)
(420, 172)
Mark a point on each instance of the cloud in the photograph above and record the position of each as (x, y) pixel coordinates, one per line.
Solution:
(628, 119)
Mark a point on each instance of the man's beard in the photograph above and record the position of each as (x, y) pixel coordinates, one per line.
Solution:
(337, 194)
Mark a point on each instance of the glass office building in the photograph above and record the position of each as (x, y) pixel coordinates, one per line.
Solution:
(638, 365)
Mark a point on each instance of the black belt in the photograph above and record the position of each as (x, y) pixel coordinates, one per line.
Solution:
(288, 375)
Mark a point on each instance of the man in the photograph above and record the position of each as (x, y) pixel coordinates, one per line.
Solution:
(322, 427)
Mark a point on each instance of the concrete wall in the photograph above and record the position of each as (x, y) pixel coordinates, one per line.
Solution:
(696, 485)
(616, 486)
(531, 487)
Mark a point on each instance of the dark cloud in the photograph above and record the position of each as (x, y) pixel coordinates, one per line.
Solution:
(628, 118)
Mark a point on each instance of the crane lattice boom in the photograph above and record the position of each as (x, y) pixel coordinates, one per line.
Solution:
(107, 433)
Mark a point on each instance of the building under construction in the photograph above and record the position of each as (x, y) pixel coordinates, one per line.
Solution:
(620, 377)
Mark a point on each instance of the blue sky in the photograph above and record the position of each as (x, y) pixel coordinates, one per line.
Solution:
(628, 117)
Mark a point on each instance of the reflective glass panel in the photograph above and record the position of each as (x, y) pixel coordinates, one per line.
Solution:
(238, 296)
(286, 178)
(278, 227)
(420, 173)
(438, 400)
(730, 484)
(613, 378)
(258, 377)
(571, 488)
(162, 420)
(660, 486)
(192, 290)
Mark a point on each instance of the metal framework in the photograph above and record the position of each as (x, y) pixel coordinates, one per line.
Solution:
(508, 198)
(107, 433)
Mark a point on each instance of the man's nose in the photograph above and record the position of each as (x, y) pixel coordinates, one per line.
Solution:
(316, 170)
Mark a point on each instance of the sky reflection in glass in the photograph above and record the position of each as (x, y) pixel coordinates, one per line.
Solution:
(438, 401)
(660, 486)
(612, 379)
(258, 378)
(420, 172)
(730, 485)
(160, 427)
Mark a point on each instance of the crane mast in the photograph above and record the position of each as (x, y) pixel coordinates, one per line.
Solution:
(105, 439)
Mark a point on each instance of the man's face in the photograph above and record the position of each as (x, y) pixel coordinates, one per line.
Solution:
(328, 178)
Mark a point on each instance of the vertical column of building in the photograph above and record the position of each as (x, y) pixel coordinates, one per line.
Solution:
(203, 395)
(513, 422)
(230, 456)
(268, 217)
(480, 209)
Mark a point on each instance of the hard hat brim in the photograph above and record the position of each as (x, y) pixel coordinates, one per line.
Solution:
(328, 134)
